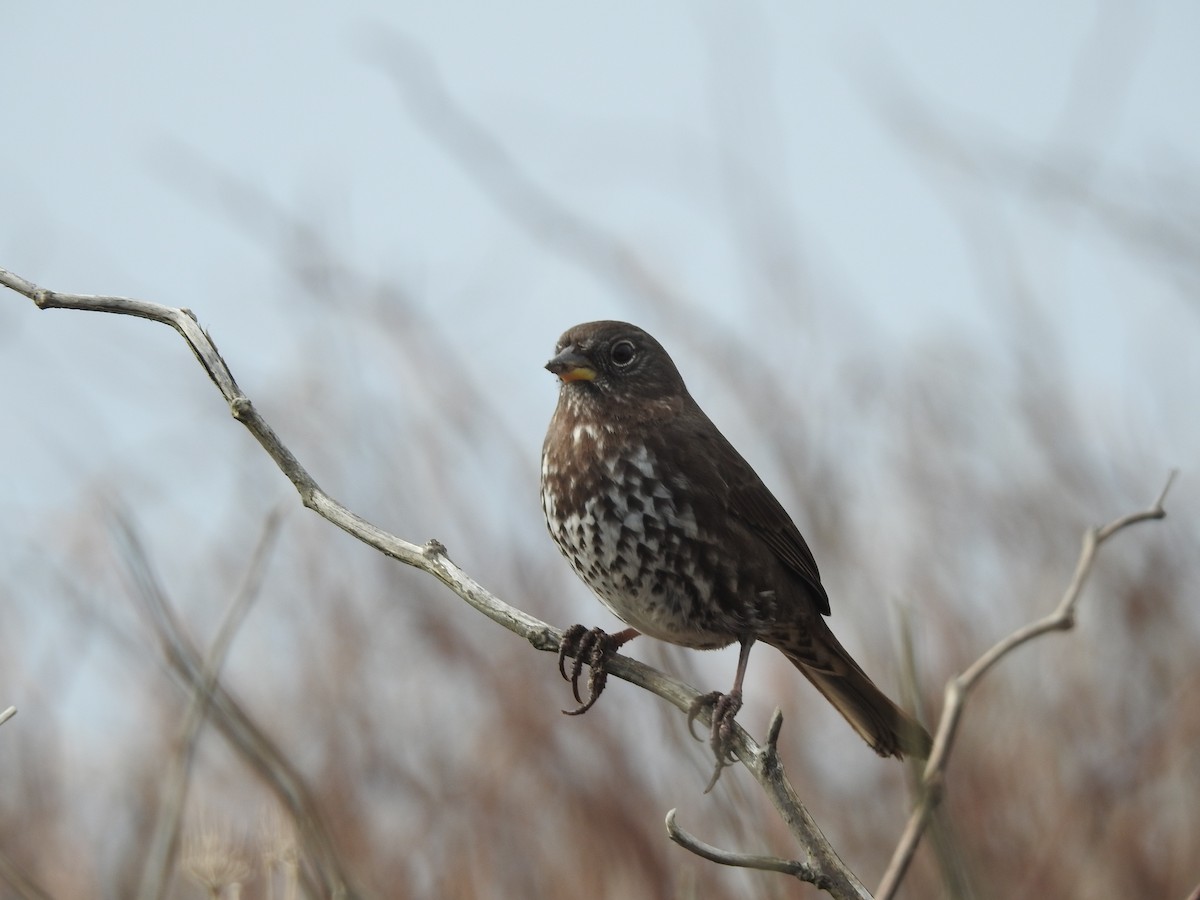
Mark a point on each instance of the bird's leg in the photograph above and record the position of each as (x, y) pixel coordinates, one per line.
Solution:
(593, 647)
(724, 708)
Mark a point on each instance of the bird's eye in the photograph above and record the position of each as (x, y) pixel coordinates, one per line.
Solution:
(623, 353)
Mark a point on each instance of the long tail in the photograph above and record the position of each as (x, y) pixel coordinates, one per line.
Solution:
(886, 727)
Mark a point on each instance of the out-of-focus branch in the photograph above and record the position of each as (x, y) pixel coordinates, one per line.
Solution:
(958, 689)
(10, 874)
(324, 874)
(19, 883)
(1057, 179)
(432, 558)
(499, 173)
(943, 836)
(161, 855)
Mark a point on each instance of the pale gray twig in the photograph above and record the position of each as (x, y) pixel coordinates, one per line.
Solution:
(744, 860)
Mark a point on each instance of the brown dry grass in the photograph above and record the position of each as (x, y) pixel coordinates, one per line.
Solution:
(433, 747)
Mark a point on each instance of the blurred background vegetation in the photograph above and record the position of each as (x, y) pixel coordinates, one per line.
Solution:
(374, 728)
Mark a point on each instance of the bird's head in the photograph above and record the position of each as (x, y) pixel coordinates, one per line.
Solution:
(614, 363)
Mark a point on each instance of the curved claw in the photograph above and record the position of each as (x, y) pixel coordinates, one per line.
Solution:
(724, 708)
(591, 648)
(698, 706)
(576, 671)
(570, 640)
(597, 654)
(723, 714)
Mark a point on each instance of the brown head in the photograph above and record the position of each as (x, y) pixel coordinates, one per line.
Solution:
(616, 368)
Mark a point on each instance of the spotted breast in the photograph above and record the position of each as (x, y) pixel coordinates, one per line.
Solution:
(629, 533)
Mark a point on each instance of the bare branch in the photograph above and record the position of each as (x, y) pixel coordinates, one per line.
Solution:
(773, 729)
(19, 883)
(959, 689)
(744, 860)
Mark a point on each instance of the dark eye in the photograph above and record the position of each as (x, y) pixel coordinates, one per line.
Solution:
(623, 353)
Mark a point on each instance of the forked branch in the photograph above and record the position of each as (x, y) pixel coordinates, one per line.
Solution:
(959, 688)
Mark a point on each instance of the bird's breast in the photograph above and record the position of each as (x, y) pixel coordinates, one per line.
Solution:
(629, 530)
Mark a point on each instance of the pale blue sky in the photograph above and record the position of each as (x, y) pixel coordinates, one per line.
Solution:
(628, 113)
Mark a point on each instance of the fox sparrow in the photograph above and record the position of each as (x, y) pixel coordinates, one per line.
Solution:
(677, 535)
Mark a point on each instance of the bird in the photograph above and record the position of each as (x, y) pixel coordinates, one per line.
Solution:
(676, 534)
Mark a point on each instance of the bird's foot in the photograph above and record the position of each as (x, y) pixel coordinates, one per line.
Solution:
(593, 648)
(724, 707)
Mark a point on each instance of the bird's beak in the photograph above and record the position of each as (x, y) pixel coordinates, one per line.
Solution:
(571, 365)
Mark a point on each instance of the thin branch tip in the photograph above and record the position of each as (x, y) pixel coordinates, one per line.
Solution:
(1162, 497)
(773, 730)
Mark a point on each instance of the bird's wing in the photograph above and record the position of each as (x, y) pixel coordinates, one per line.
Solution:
(756, 507)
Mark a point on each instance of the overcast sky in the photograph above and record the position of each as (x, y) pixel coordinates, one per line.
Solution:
(672, 125)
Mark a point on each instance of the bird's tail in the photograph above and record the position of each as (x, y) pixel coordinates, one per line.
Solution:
(886, 727)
